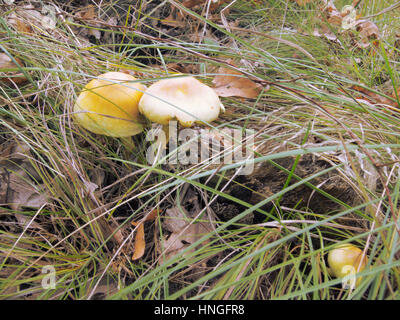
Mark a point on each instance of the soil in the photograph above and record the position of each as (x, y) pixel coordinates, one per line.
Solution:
(268, 180)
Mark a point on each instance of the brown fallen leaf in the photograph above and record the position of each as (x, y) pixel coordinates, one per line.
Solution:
(333, 15)
(31, 18)
(88, 13)
(176, 243)
(9, 77)
(303, 2)
(184, 232)
(22, 27)
(231, 83)
(193, 3)
(375, 98)
(22, 193)
(215, 4)
(140, 244)
(17, 189)
(369, 33)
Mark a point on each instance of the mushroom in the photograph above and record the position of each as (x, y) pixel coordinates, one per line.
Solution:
(346, 260)
(109, 105)
(183, 98)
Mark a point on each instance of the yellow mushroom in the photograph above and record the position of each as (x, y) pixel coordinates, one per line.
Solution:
(109, 105)
(346, 260)
(183, 98)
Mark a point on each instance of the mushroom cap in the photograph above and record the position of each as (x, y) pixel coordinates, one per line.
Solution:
(183, 98)
(345, 255)
(109, 105)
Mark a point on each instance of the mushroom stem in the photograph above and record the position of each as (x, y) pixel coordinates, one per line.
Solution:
(165, 128)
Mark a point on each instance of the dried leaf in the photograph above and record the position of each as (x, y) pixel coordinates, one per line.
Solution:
(184, 232)
(22, 193)
(303, 2)
(10, 76)
(215, 4)
(368, 32)
(192, 3)
(176, 219)
(29, 17)
(375, 98)
(333, 15)
(22, 27)
(87, 13)
(348, 20)
(140, 244)
(231, 83)
(17, 190)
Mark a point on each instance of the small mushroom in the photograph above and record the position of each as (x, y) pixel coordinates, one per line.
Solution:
(180, 97)
(345, 260)
(109, 105)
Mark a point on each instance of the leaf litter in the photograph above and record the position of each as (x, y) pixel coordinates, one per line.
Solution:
(184, 232)
(8, 77)
(17, 187)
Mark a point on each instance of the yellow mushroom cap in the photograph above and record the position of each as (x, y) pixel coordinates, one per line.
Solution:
(109, 105)
(183, 98)
(346, 259)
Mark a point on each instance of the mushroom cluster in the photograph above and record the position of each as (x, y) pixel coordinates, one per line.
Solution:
(113, 103)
